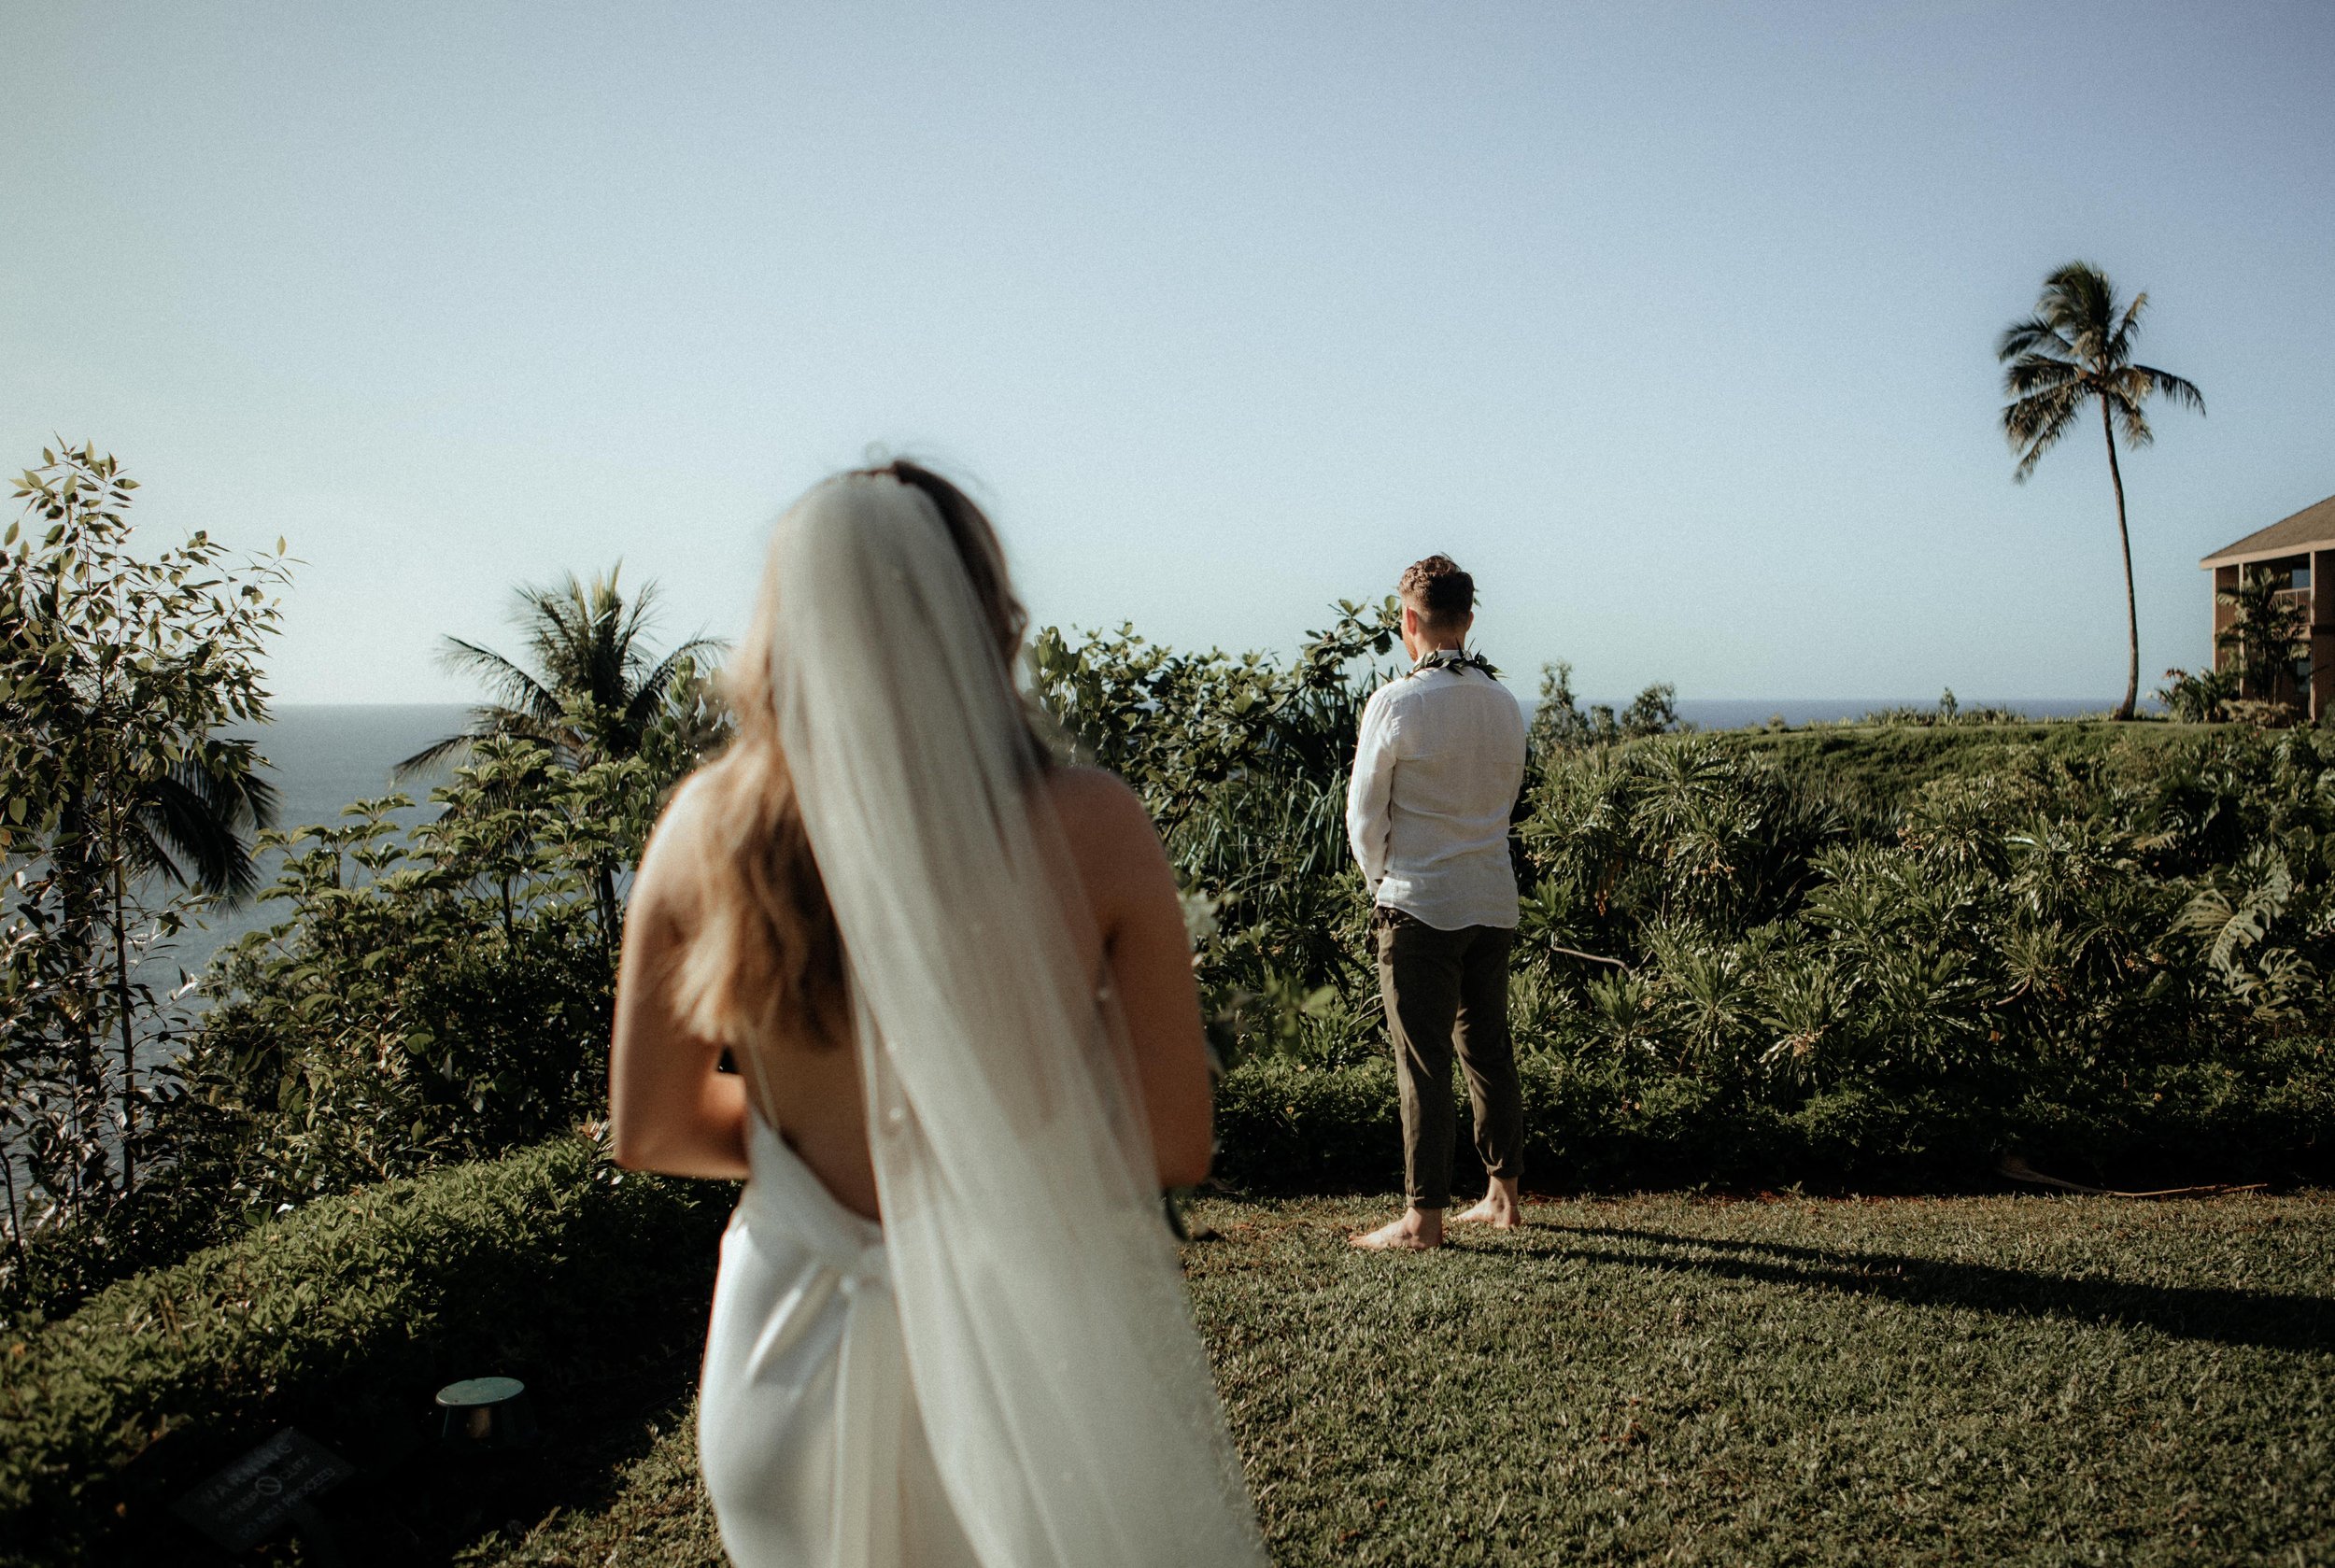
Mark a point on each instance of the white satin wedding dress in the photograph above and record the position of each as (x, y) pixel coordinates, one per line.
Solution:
(813, 1449)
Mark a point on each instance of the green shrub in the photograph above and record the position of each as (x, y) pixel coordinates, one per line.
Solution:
(1284, 1127)
(342, 1317)
(1882, 764)
(1608, 1125)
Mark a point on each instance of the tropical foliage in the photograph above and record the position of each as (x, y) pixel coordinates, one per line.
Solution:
(1752, 957)
(1733, 966)
(437, 995)
(1559, 723)
(2202, 698)
(431, 993)
(1242, 763)
(596, 693)
(122, 811)
(2268, 632)
(2075, 352)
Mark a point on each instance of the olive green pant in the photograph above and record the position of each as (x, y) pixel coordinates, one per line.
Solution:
(1445, 990)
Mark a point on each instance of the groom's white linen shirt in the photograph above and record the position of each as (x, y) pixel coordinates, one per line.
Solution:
(1440, 761)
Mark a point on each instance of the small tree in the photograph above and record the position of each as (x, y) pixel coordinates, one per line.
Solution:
(2199, 699)
(121, 807)
(1559, 724)
(2267, 632)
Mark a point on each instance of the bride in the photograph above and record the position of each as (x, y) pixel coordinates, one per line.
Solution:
(948, 1327)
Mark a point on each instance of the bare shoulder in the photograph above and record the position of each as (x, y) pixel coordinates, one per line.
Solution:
(663, 882)
(1096, 804)
(1110, 830)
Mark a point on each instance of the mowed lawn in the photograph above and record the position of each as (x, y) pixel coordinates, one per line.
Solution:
(1682, 1380)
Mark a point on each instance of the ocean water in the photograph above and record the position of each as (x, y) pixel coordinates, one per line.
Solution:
(322, 760)
(1733, 712)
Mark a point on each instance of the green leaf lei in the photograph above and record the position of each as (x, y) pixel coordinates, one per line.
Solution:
(1455, 659)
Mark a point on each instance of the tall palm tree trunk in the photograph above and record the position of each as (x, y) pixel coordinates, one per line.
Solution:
(2131, 610)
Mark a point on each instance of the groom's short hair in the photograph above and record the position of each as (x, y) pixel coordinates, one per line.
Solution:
(1438, 591)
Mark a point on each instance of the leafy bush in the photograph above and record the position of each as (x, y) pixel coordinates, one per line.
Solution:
(434, 995)
(2199, 699)
(1886, 956)
(342, 1317)
(1242, 763)
(1559, 723)
(2007, 961)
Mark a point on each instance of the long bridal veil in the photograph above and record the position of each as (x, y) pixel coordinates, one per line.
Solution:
(1061, 1383)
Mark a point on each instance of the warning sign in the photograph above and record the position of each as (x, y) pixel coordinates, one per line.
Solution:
(249, 1501)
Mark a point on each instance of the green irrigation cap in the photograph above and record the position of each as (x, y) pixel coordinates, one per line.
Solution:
(492, 1412)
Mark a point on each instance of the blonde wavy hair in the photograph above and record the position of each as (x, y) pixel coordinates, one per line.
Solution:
(765, 947)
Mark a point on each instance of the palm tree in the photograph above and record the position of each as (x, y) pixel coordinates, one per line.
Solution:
(594, 693)
(2077, 349)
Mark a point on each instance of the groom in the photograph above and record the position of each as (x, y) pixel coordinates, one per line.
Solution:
(1439, 764)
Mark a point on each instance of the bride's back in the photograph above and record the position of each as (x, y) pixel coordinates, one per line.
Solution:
(805, 1081)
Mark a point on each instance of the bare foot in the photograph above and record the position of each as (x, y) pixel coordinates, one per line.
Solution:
(1499, 1209)
(1419, 1230)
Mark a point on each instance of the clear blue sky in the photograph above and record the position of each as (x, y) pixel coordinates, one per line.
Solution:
(1674, 324)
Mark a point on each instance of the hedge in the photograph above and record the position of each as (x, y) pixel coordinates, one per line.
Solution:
(1616, 1125)
(343, 1318)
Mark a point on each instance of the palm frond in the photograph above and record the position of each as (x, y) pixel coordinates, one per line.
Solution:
(2032, 336)
(2031, 374)
(511, 686)
(557, 622)
(2035, 424)
(487, 723)
(2082, 302)
(631, 659)
(191, 835)
(2131, 417)
(261, 801)
(649, 695)
(448, 749)
(2173, 388)
(2119, 349)
(228, 774)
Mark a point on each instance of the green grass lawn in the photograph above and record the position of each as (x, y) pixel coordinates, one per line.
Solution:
(1679, 1380)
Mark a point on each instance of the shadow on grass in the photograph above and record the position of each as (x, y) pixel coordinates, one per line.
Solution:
(2260, 1318)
